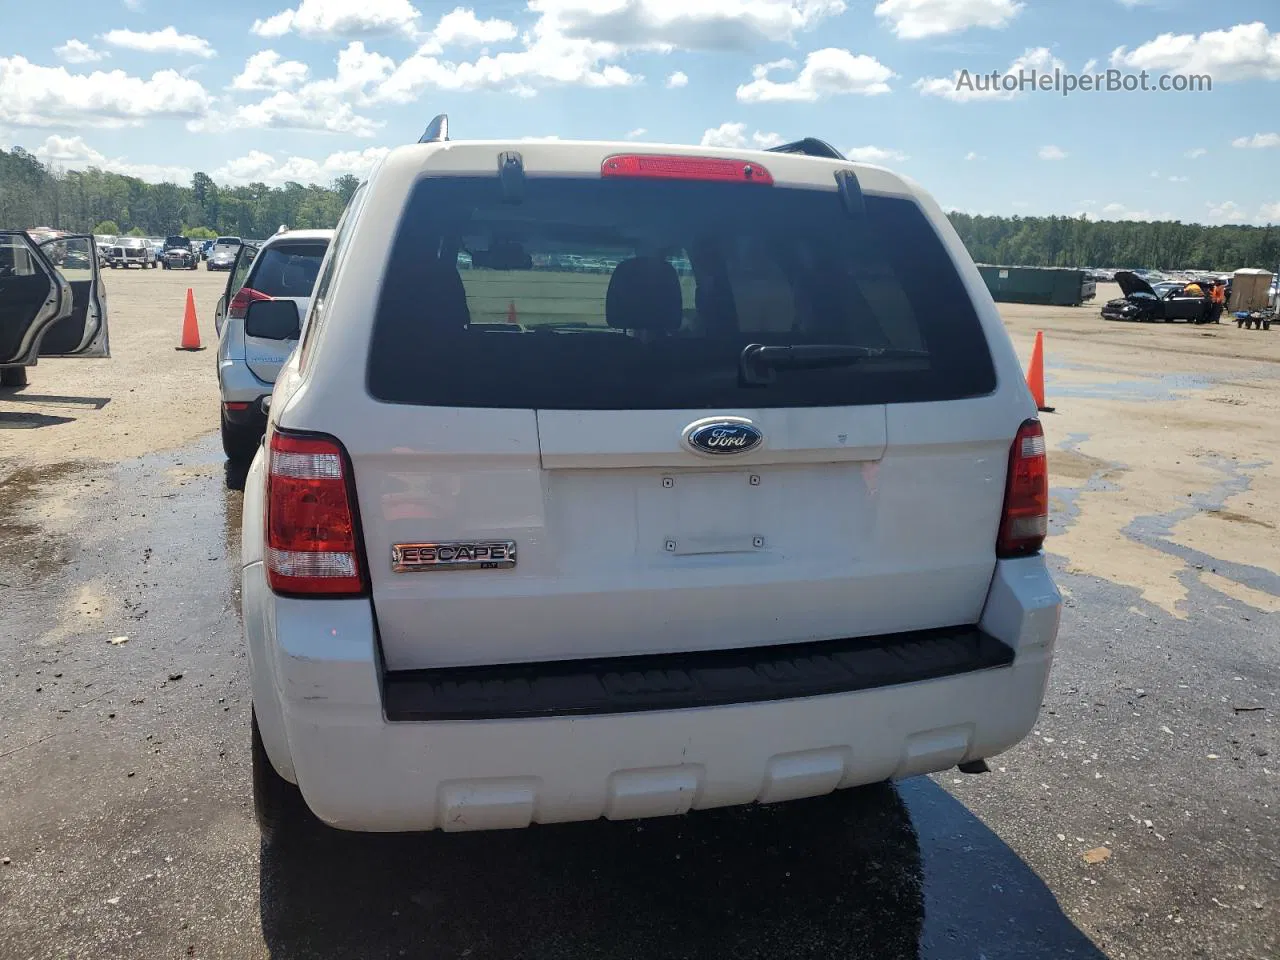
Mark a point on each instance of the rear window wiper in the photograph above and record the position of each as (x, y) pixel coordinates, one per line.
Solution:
(758, 364)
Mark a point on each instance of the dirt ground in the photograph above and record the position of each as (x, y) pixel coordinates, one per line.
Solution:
(1175, 419)
(147, 396)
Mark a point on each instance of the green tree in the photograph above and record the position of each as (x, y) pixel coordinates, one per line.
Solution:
(107, 228)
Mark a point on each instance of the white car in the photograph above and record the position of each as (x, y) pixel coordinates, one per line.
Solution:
(282, 268)
(531, 545)
(132, 252)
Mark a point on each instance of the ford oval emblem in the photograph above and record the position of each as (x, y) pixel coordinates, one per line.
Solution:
(722, 436)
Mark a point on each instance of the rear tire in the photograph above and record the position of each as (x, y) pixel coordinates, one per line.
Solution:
(277, 804)
(239, 442)
(13, 377)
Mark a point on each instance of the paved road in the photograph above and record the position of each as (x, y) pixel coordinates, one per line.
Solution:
(126, 824)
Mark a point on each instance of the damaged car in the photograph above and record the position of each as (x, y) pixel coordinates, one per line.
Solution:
(179, 255)
(1164, 301)
(52, 302)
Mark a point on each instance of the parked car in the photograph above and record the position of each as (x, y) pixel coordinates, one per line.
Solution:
(132, 252)
(1162, 300)
(179, 255)
(52, 302)
(524, 545)
(282, 268)
(222, 255)
(205, 248)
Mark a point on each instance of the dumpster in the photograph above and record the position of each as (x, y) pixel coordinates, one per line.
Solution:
(1056, 286)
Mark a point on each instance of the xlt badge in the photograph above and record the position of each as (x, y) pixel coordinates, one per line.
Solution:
(459, 555)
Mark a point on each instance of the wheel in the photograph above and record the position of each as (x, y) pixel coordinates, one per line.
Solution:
(13, 376)
(277, 804)
(239, 442)
(166, 266)
(114, 266)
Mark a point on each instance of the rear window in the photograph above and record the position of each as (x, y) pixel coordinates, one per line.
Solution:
(227, 242)
(287, 269)
(641, 294)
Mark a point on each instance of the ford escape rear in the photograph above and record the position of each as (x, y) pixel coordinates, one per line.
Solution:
(621, 481)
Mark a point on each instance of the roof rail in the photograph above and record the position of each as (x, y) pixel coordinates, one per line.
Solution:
(437, 130)
(810, 147)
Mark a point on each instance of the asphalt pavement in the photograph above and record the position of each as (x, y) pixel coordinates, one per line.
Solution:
(1138, 821)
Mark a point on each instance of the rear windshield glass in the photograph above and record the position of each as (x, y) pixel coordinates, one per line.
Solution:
(227, 242)
(640, 294)
(287, 269)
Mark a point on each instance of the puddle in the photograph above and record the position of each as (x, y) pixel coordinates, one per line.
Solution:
(1065, 501)
(1154, 530)
(40, 553)
(1162, 388)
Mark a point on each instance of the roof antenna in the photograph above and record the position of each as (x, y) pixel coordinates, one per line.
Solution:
(437, 130)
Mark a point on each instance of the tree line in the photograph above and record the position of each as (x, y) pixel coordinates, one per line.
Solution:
(33, 194)
(36, 194)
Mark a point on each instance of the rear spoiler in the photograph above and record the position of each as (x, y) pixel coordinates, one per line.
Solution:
(810, 147)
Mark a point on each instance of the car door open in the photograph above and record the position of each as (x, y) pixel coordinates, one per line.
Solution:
(31, 297)
(82, 332)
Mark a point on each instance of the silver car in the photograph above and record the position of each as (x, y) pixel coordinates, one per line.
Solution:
(281, 268)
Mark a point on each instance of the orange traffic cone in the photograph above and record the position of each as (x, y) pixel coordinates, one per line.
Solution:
(512, 317)
(1035, 375)
(190, 329)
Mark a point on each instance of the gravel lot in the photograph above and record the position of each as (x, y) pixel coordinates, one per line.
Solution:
(1138, 820)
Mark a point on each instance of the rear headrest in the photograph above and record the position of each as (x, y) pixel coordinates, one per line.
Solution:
(644, 294)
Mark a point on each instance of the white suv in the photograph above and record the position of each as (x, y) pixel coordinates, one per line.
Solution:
(614, 480)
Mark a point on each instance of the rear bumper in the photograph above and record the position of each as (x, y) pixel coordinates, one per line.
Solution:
(319, 697)
(238, 384)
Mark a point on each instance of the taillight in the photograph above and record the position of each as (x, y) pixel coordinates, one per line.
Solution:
(1026, 495)
(311, 532)
(240, 302)
(654, 167)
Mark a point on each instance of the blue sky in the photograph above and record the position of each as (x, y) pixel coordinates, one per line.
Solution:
(276, 90)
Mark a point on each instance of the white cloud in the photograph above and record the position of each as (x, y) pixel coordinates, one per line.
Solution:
(1051, 152)
(73, 153)
(688, 24)
(677, 80)
(971, 155)
(133, 5)
(1259, 141)
(1118, 211)
(330, 105)
(36, 96)
(1243, 52)
(77, 51)
(1176, 179)
(1089, 65)
(548, 58)
(167, 40)
(1133, 3)
(734, 136)
(637, 132)
(913, 19)
(462, 28)
(1228, 210)
(259, 167)
(340, 19)
(880, 155)
(266, 71)
(1195, 153)
(1269, 212)
(962, 87)
(825, 73)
